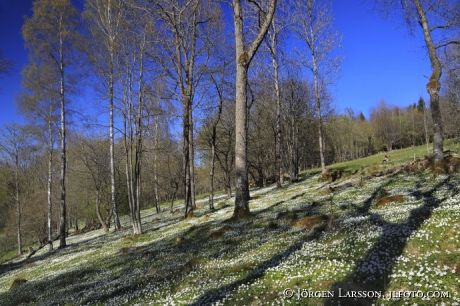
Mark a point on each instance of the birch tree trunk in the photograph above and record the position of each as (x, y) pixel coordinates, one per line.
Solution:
(62, 226)
(50, 181)
(116, 220)
(18, 204)
(314, 28)
(105, 24)
(318, 114)
(211, 172)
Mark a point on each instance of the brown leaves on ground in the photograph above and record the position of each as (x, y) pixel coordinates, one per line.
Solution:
(308, 222)
(385, 200)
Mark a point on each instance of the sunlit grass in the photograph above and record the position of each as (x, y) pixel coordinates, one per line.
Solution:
(405, 245)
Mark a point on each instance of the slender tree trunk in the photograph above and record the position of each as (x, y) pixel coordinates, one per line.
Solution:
(62, 228)
(116, 220)
(173, 198)
(211, 173)
(137, 152)
(108, 218)
(18, 207)
(155, 170)
(50, 180)
(434, 86)
(98, 212)
(76, 223)
(192, 159)
(129, 123)
(137, 171)
(278, 170)
(320, 123)
(186, 162)
(228, 184)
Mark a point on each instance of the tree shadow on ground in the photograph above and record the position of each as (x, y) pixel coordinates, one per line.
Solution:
(373, 271)
(170, 259)
(216, 294)
(167, 260)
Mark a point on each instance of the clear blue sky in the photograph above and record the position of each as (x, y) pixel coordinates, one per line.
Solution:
(381, 60)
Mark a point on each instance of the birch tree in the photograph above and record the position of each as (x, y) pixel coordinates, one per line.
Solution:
(244, 54)
(51, 37)
(39, 104)
(134, 64)
(314, 28)
(105, 19)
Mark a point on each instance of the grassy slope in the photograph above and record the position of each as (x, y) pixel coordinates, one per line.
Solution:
(410, 245)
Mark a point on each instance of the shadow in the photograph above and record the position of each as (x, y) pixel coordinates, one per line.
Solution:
(373, 271)
(164, 264)
(214, 295)
(269, 208)
(70, 248)
(368, 202)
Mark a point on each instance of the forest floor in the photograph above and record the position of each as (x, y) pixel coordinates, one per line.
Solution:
(389, 239)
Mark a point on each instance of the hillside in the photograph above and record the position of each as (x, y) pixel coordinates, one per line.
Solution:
(372, 232)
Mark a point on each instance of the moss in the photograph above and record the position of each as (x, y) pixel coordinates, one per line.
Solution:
(434, 85)
(243, 59)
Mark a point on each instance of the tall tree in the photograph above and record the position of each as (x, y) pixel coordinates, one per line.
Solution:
(105, 22)
(51, 37)
(221, 85)
(187, 28)
(135, 63)
(273, 41)
(39, 104)
(439, 21)
(244, 56)
(314, 27)
(14, 144)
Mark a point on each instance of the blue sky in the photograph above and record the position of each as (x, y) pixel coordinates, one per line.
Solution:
(381, 61)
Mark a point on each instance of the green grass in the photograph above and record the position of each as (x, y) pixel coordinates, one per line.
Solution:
(7, 255)
(397, 157)
(211, 260)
